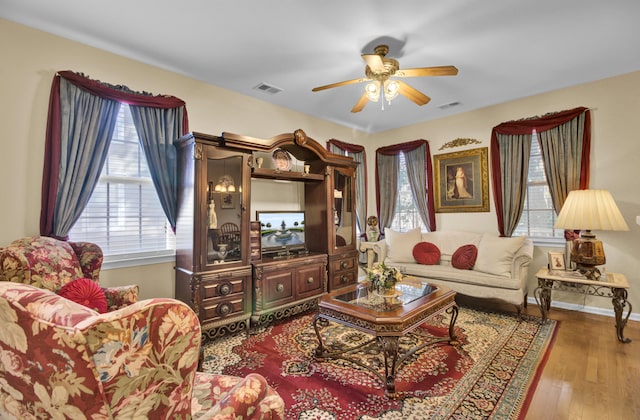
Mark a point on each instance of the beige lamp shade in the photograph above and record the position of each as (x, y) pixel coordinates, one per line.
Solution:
(590, 210)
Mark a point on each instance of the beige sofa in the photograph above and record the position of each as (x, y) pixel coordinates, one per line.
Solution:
(499, 270)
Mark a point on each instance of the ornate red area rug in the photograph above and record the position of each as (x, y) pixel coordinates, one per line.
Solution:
(491, 373)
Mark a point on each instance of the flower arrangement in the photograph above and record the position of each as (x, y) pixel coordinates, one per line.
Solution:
(381, 276)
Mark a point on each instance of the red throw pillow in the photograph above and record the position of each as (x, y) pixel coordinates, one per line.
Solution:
(465, 257)
(85, 292)
(426, 253)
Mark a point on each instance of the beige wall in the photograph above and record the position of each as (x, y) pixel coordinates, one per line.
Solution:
(615, 159)
(30, 59)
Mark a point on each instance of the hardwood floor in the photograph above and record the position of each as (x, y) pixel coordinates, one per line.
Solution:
(589, 374)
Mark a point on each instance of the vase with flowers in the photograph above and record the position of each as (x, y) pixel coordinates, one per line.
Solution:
(382, 278)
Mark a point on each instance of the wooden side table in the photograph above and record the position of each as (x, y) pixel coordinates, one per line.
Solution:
(612, 285)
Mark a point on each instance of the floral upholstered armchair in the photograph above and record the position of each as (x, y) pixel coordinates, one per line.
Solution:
(51, 264)
(60, 359)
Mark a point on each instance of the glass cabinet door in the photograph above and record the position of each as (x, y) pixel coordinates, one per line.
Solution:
(223, 221)
(343, 216)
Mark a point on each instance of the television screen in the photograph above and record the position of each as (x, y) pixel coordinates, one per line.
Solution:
(281, 230)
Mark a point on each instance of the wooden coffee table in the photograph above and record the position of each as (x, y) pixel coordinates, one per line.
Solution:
(386, 319)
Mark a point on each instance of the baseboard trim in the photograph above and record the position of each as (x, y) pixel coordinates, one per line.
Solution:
(586, 309)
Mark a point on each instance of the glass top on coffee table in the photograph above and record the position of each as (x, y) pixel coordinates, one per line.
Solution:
(406, 291)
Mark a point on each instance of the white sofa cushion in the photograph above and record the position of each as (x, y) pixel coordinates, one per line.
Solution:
(495, 254)
(400, 245)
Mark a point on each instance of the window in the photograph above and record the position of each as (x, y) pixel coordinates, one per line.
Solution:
(124, 215)
(538, 215)
(407, 216)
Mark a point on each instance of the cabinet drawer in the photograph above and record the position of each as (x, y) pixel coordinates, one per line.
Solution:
(212, 289)
(222, 308)
(343, 264)
(278, 288)
(310, 280)
(343, 279)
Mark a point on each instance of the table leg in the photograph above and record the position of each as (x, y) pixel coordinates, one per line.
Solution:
(542, 295)
(389, 347)
(370, 256)
(454, 316)
(619, 303)
(321, 351)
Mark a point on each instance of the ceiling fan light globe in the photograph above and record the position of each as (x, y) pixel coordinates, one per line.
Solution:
(373, 91)
(391, 89)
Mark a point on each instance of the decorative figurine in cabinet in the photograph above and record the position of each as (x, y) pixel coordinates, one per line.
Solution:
(213, 271)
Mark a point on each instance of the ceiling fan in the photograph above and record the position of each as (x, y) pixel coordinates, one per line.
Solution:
(379, 72)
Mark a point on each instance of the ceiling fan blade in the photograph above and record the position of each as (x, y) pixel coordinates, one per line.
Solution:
(427, 71)
(374, 61)
(413, 94)
(333, 85)
(361, 103)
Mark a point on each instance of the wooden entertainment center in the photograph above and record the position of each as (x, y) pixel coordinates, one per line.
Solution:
(221, 269)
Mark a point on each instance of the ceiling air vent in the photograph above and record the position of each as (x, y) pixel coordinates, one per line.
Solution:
(449, 105)
(270, 89)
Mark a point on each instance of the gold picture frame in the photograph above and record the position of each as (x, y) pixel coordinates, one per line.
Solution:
(461, 181)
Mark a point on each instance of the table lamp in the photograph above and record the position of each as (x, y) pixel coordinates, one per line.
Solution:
(588, 210)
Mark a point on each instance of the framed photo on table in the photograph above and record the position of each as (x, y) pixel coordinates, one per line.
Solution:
(461, 181)
(556, 261)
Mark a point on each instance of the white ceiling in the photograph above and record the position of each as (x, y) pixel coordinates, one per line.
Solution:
(504, 49)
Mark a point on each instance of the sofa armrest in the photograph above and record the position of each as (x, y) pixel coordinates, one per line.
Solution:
(521, 261)
(149, 350)
(237, 397)
(120, 296)
(376, 251)
(90, 258)
(522, 257)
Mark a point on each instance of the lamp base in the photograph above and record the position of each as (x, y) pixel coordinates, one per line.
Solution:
(590, 272)
(588, 252)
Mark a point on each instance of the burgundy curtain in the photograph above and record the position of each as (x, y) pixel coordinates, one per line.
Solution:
(347, 147)
(526, 126)
(395, 150)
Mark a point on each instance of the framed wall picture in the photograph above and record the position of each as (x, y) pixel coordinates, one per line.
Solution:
(556, 261)
(226, 200)
(462, 181)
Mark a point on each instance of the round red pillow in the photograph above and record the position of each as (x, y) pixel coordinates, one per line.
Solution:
(86, 292)
(465, 257)
(426, 253)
